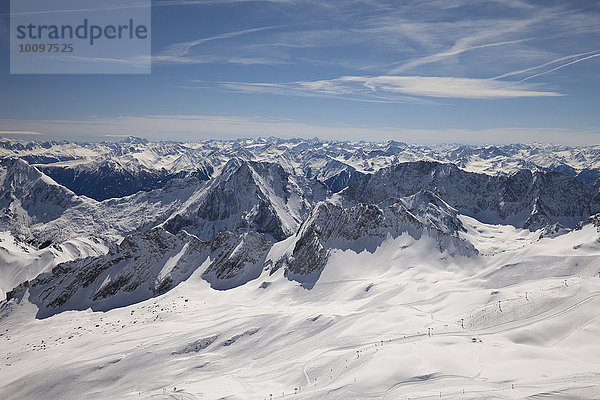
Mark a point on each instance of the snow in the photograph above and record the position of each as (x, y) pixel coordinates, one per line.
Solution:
(171, 263)
(493, 239)
(296, 153)
(376, 325)
(401, 309)
(20, 262)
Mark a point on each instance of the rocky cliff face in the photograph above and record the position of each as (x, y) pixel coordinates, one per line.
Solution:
(431, 210)
(523, 199)
(152, 262)
(236, 259)
(249, 196)
(142, 266)
(363, 227)
(29, 198)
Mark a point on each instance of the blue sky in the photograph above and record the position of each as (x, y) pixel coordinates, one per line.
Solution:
(419, 71)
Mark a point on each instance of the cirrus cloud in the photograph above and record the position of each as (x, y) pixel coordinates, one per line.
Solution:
(392, 89)
(448, 87)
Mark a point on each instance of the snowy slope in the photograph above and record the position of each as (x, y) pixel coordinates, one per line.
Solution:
(402, 322)
(142, 266)
(20, 261)
(276, 268)
(41, 212)
(149, 263)
(361, 228)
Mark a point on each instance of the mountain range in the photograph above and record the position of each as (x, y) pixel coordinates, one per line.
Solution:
(214, 195)
(114, 227)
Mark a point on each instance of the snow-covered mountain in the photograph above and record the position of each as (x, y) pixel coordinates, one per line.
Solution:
(296, 200)
(116, 169)
(149, 263)
(261, 268)
(28, 197)
(531, 200)
(364, 227)
(20, 261)
(39, 211)
(142, 266)
(249, 196)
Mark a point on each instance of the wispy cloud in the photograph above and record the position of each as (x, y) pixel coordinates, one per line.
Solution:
(448, 87)
(181, 53)
(394, 89)
(560, 67)
(331, 89)
(459, 48)
(574, 57)
(442, 41)
(429, 37)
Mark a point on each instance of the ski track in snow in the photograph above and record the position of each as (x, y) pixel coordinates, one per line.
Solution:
(402, 338)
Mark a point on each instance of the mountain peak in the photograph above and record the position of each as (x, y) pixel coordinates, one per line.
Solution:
(135, 140)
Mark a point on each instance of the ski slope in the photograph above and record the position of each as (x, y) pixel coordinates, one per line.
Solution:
(520, 320)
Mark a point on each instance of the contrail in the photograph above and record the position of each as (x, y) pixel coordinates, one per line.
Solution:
(560, 67)
(543, 65)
